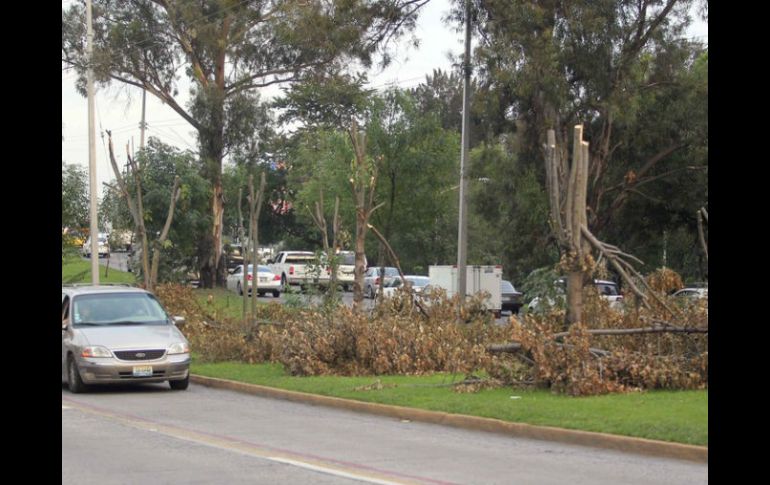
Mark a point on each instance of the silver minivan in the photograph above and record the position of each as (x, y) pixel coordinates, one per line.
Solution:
(120, 334)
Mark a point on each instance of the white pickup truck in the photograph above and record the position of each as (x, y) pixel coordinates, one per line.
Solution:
(298, 268)
(478, 279)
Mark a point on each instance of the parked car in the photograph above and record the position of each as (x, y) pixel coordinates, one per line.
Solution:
(268, 281)
(418, 284)
(120, 334)
(299, 268)
(511, 299)
(233, 256)
(346, 269)
(693, 293)
(608, 290)
(372, 279)
(103, 245)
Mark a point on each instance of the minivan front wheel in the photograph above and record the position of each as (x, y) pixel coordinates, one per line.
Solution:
(180, 385)
(74, 381)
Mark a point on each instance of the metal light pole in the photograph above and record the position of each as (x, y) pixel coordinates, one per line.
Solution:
(92, 151)
(462, 231)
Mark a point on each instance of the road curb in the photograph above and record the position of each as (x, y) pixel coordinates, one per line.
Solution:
(583, 438)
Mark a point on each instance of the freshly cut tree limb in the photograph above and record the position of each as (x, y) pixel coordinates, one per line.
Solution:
(621, 266)
(552, 177)
(134, 208)
(176, 192)
(395, 260)
(319, 219)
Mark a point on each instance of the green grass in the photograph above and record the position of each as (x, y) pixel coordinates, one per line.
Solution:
(77, 270)
(677, 416)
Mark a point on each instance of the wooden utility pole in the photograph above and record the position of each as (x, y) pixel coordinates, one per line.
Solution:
(462, 229)
(92, 151)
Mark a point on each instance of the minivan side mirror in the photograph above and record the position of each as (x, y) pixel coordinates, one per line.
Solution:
(177, 320)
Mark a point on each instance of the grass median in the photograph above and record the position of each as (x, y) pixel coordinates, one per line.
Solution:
(676, 416)
(75, 269)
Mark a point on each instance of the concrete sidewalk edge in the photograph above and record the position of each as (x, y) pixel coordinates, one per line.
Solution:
(626, 444)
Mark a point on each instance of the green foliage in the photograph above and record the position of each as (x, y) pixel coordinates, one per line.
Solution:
(415, 161)
(228, 50)
(159, 164)
(509, 222)
(540, 283)
(74, 196)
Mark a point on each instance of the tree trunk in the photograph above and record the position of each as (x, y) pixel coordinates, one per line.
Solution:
(255, 205)
(212, 151)
(363, 184)
(358, 284)
(175, 194)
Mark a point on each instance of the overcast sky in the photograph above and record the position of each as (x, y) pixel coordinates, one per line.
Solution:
(119, 108)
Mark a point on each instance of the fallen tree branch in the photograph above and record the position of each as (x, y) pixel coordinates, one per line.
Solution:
(514, 347)
(621, 266)
(638, 331)
(395, 260)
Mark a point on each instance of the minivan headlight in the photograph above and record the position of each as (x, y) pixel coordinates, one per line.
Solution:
(179, 348)
(96, 351)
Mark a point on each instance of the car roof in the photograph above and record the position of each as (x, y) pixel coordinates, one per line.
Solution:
(88, 289)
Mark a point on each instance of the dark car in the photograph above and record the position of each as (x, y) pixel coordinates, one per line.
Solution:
(510, 298)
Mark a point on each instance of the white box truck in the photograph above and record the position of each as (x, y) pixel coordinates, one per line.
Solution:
(479, 278)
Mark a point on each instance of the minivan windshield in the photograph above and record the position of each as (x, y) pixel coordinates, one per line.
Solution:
(101, 309)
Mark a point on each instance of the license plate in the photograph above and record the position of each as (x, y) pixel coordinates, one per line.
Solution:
(264, 280)
(143, 371)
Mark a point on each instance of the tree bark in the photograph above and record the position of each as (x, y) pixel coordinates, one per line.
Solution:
(244, 254)
(212, 151)
(175, 193)
(135, 209)
(363, 182)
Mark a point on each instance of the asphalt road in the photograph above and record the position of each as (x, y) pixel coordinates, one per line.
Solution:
(150, 434)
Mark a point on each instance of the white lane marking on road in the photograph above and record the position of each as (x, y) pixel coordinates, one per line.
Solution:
(65, 407)
(228, 444)
(331, 471)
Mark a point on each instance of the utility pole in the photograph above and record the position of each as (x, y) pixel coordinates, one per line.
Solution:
(143, 125)
(462, 231)
(92, 151)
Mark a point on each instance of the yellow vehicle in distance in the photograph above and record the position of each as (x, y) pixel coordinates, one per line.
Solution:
(74, 237)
